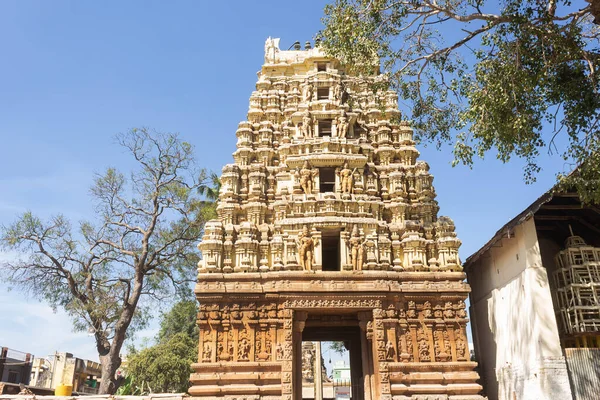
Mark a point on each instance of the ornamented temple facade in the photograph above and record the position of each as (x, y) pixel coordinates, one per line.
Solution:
(327, 229)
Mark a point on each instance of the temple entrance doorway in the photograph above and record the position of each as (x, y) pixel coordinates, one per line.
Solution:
(341, 382)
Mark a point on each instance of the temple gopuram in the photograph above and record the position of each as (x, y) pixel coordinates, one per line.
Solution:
(328, 230)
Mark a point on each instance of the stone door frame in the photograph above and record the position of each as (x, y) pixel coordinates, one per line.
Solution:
(364, 309)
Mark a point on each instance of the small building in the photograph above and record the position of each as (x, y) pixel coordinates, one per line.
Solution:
(341, 372)
(535, 303)
(15, 366)
(64, 369)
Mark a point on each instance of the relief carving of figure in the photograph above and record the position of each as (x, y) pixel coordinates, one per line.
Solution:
(461, 347)
(423, 350)
(427, 313)
(306, 247)
(307, 175)
(307, 93)
(347, 179)
(306, 128)
(409, 345)
(389, 350)
(207, 352)
(342, 127)
(244, 350)
(337, 93)
(356, 249)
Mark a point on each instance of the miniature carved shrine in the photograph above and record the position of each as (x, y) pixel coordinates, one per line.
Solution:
(328, 230)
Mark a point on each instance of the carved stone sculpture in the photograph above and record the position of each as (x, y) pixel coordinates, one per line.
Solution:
(389, 351)
(356, 249)
(307, 176)
(346, 179)
(342, 127)
(307, 92)
(307, 128)
(244, 350)
(306, 248)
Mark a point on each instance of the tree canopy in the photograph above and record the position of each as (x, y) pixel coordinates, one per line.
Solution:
(513, 78)
(141, 248)
(181, 318)
(166, 366)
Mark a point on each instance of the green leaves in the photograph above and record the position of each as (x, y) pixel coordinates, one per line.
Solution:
(165, 367)
(513, 80)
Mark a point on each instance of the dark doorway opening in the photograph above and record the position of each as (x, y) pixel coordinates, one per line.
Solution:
(325, 127)
(331, 249)
(323, 93)
(326, 180)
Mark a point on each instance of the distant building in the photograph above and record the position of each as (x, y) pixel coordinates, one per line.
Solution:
(535, 303)
(65, 369)
(340, 372)
(15, 366)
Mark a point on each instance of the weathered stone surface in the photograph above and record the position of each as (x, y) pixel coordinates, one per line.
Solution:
(327, 220)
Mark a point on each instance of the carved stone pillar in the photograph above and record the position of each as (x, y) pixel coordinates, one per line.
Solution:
(317, 250)
(345, 261)
(366, 353)
(299, 323)
(291, 261)
(286, 355)
(381, 366)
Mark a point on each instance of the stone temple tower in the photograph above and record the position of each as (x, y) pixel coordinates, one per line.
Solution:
(328, 230)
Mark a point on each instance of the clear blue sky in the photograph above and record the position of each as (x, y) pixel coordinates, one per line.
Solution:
(74, 73)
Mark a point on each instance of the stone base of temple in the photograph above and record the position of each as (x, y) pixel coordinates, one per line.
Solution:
(405, 332)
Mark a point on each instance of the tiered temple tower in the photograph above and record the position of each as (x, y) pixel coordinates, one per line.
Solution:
(328, 230)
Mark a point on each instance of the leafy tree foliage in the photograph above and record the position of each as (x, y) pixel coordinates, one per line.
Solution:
(141, 248)
(180, 319)
(515, 78)
(164, 367)
(338, 347)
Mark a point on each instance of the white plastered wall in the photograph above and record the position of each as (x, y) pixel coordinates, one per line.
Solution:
(514, 323)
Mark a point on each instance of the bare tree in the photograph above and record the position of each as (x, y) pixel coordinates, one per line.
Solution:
(107, 274)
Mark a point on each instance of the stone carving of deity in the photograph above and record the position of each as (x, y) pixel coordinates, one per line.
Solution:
(306, 249)
(307, 93)
(244, 350)
(356, 249)
(342, 127)
(347, 179)
(207, 352)
(306, 129)
(307, 176)
(337, 93)
(389, 350)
